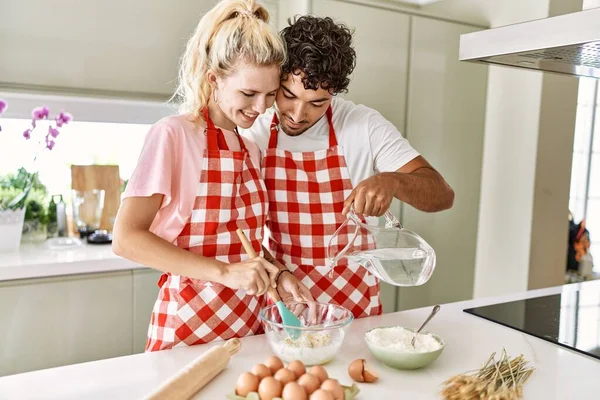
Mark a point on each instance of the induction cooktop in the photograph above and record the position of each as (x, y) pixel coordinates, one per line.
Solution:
(570, 319)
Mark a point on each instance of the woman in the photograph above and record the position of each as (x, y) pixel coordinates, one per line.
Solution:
(197, 181)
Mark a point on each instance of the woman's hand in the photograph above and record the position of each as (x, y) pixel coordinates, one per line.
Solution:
(254, 275)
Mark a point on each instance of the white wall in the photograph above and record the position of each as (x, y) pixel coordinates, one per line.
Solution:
(522, 234)
(507, 182)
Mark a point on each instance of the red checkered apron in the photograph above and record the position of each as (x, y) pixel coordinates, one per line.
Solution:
(230, 195)
(306, 197)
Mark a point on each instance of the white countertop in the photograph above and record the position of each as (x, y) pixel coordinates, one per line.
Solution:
(560, 373)
(38, 261)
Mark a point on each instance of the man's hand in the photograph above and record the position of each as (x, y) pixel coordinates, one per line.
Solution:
(416, 183)
(373, 196)
(291, 289)
(288, 286)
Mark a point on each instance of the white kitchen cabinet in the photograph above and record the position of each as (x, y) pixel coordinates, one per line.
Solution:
(381, 41)
(94, 46)
(145, 292)
(445, 122)
(57, 321)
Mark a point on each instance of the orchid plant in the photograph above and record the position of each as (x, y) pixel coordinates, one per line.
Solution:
(25, 180)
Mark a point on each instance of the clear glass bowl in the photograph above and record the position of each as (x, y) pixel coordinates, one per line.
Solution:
(323, 330)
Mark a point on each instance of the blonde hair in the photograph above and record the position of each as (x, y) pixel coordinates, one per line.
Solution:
(232, 31)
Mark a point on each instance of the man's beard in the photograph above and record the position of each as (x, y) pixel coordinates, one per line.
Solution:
(283, 119)
(295, 132)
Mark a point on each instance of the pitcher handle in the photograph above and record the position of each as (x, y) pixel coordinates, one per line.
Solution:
(341, 253)
(391, 221)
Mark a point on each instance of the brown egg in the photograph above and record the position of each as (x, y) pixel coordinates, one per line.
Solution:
(246, 383)
(269, 388)
(309, 382)
(361, 372)
(334, 387)
(321, 395)
(319, 372)
(274, 363)
(293, 391)
(284, 376)
(261, 370)
(297, 367)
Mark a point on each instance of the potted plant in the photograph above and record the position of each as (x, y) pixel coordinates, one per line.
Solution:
(23, 196)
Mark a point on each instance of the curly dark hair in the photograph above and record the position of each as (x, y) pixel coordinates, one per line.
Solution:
(322, 50)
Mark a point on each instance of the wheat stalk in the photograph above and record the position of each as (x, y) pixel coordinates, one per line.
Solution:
(496, 380)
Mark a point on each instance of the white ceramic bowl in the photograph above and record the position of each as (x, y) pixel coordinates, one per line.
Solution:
(405, 360)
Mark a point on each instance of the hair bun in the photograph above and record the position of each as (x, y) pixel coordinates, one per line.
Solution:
(244, 13)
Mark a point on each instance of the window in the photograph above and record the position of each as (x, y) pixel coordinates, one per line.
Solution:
(104, 131)
(80, 143)
(584, 201)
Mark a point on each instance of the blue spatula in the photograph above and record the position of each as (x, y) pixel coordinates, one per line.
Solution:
(288, 318)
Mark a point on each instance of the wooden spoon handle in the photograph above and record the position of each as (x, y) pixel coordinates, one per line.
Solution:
(250, 251)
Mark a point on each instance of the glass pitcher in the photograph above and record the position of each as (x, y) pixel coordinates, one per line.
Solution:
(87, 210)
(393, 254)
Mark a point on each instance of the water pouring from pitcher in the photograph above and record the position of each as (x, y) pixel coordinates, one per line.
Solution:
(391, 253)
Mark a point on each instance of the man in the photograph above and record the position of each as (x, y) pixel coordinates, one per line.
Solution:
(323, 156)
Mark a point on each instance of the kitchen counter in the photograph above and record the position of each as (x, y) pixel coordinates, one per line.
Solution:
(560, 373)
(39, 261)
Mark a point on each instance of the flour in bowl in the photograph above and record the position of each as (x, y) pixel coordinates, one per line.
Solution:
(398, 338)
(310, 348)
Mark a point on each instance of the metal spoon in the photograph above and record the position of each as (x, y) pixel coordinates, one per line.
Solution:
(431, 315)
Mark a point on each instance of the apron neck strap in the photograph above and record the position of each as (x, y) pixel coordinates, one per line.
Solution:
(274, 129)
(215, 137)
(332, 138)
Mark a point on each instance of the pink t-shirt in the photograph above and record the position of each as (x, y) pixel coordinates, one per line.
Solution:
(170, 164)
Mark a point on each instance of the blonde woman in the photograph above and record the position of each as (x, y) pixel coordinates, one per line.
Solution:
(197, 181)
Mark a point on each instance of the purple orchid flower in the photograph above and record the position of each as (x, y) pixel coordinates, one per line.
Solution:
(40, 113)
(53, 132)
(63, 118)
(43, 113)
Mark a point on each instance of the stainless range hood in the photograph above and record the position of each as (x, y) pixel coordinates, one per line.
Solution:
(566, 44)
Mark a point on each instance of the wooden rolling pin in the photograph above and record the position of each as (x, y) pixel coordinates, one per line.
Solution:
(251, 253)
(194, 376)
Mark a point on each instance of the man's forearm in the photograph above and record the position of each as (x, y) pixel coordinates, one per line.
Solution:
(424, 189)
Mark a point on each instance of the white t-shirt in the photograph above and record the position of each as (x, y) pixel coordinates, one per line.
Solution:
(370, 143)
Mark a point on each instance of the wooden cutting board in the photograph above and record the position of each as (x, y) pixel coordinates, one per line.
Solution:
(105, 177)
